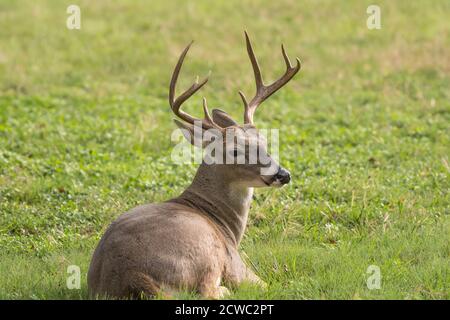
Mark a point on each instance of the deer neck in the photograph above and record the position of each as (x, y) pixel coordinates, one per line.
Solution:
(226, 202)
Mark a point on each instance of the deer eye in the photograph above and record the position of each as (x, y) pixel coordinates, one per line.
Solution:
(235, 153)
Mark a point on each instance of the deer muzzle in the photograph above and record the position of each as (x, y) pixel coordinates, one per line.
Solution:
(282, 176)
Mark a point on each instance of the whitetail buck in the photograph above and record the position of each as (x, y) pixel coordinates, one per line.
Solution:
(191, 242)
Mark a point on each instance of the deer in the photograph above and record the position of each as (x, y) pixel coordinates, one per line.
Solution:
(191, 242)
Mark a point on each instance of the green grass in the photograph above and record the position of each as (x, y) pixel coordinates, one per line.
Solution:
(85, 135)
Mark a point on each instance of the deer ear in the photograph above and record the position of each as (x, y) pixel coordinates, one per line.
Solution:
(223, 119)
(187, 129)
(205, 137)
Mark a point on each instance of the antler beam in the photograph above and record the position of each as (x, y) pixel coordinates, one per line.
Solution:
(175, 103)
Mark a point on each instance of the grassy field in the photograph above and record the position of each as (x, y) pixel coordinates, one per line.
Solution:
(365, 131)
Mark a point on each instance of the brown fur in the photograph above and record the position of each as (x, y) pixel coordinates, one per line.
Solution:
(189, 243)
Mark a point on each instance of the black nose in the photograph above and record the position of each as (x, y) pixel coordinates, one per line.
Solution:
(283, 176)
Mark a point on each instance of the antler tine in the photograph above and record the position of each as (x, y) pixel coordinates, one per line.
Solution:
(208, 117)
(254, 61)
(246, 110)
(265, 91)
(175, 103)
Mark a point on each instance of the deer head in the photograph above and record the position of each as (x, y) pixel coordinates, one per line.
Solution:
(241, 149)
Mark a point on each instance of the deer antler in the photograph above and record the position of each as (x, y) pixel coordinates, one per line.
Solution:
(265, 91)
(175, 103)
